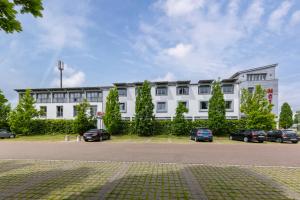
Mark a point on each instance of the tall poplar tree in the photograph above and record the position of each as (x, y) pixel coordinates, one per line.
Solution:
(144, 118)
(286, 116)
(4, 111)
(112, 118)
(179, 122)
(217, 110)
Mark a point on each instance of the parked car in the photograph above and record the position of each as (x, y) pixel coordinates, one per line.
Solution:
(201, 134)
(283, 136)
(6, 134)
(249, 136)
(96, 135)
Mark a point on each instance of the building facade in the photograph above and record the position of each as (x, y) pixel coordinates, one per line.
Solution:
(59, 103)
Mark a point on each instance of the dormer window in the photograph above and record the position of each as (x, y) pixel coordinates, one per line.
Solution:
(204, 89)
(256, 77)
(183, 90)
(161, 91)
(228, 89)
(122, 92)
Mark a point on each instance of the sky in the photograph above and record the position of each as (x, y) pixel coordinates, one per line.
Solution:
(107, 41)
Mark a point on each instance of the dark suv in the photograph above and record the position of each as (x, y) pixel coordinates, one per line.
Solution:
(249, 136)
(201, 134)
(96, 135)
(283, 136)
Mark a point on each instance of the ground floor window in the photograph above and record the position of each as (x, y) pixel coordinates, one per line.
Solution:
(122, 107)
(75, 111)
(161, 107)
(229, 105)
(185, 103)
(59, 111)
(203, 105)
(43, 110)
(93, 111)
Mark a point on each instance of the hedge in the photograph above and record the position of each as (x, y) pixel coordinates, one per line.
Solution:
(52, 126)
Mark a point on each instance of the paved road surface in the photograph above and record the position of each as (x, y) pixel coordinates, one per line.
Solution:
(203, 153)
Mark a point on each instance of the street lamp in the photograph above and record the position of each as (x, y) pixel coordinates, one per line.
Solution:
(60, 67)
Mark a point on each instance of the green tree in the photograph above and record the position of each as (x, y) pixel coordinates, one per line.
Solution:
(286, 116)
(297, 118)
(216, 110)
(4, 111)
(144, 118)
(112, 118)
(83, 121)
(257, 109)
(8, 12)
(180, 124)
(21, 118)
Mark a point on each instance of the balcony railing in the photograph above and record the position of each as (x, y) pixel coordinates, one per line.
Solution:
(94, 99)
(59, 100)
(45, 100)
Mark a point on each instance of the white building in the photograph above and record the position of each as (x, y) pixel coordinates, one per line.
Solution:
(60, 102)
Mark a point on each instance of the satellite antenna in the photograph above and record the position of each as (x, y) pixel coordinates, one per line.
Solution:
(60, 66)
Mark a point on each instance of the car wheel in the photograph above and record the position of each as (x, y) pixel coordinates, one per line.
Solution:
(108, 137)
(196, 139)
(230, 137)
(191, 138)
(279, 140)
(100, 139)
(261, 141)
(246, 139)
(210, 140)
(295, 142)
(12, 136)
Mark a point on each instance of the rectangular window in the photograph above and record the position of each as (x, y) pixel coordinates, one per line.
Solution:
(229, 105)
(228, 89)
(122, 107)
(43, 98)
(122, 92)
(161, 91)
(204, 89)
(59, 98)
(185, 103)
(75, 97)
(43, 110)
(93, 96)
(75, 111)
(93, 111)
(203, 105)
(59, 111)
(161, 107)
(256, 77)
(182, 90)
(251, 90)
(136, 90)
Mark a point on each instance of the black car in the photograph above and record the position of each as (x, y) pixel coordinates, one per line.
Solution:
(96, 135)
(249, 136)
(283, 136)
(201, 134)
(6, 134)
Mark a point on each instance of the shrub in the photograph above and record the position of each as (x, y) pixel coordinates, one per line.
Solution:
(51, 126)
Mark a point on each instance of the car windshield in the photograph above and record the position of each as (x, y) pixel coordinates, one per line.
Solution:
(205, 131)
(92, 131)
(289, 132)
(259, 132)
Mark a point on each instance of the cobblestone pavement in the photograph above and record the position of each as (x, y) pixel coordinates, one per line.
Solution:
(29, 179)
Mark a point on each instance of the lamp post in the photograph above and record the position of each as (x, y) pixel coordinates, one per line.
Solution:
(60, 67)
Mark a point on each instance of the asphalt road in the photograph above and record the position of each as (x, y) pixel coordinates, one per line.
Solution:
(200, 153)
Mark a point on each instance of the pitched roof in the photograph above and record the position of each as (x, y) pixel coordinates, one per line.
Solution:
(253, 69)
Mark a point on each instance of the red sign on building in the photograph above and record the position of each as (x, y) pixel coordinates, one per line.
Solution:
(270, 94)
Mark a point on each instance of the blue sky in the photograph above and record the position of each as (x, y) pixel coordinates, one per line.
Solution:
(107, 41)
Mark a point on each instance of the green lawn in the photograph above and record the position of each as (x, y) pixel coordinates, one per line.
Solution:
(49, 138)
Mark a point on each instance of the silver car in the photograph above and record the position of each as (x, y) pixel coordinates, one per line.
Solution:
(6, 134)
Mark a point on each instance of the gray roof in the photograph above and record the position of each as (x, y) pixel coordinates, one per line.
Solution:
(253, 69)
(65, 89)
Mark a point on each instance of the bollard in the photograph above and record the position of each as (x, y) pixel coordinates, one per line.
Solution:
(67, 138)
(78, 138)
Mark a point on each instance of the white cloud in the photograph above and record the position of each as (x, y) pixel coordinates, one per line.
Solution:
(179, 51)
(178, 8)
(233, 7)
(71, 77)
(254, 14)
(295, 19)
(167, 77)
(276, 17)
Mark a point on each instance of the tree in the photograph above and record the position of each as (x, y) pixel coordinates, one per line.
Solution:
(179, 122)
(4, 111)
(8, 12)
(144, 118)
(216, 110)
(286, 116)
(83, 121)
(20, 119)
(112, 118)
(297, 118)
(257, 109)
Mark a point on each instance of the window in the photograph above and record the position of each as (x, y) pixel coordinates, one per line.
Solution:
(43, 110)
(161, 91)
(256, 77)
(75, 111)
(43, 98)
(203, 105)
(75, 97)
(93, 96)
(59, 111)
(204, 89)
(93, 110)
(182, 90)
(185, 103)
(228, 89)
(136, 90)
(228, 105)
(161, 107)
(122, 92)
(59, 98)
(251, 90)
(122, 107)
